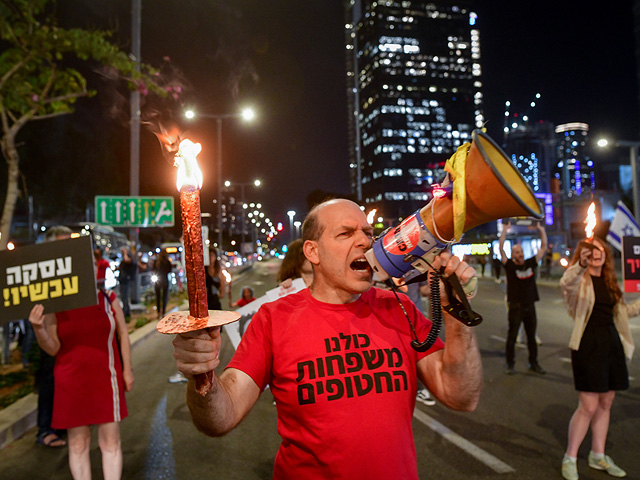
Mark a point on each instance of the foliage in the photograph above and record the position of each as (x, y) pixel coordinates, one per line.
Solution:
(141, 322)
(12, 378)
(36, 79)
(40, 78)
(17, 385)
(15, 395)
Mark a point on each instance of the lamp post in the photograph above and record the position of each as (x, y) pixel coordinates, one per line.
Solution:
(297, 224)
(633, 157)
(255, 183)
(246, 114)
(291, 214)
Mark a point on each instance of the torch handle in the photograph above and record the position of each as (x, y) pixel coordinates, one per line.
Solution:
(195, 269)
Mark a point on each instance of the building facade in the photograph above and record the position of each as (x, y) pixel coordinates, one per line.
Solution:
(532, 149)
(574, 169)
(414, 96)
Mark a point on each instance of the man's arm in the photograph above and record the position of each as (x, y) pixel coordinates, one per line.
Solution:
(543, 242)
(232, 395)
(454, 375)
(503, 237)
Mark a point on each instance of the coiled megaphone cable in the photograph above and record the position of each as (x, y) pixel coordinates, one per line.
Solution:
(459, 309)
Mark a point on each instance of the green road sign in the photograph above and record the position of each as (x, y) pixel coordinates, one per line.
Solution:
(135, 211)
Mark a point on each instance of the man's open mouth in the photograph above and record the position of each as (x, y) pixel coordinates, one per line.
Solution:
(360, 265)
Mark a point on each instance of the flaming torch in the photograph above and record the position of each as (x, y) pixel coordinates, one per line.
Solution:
(590, 225)
(227, 277)
(371, 216)
(198, 317)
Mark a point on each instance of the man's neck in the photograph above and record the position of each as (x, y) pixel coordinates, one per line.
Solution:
(331, 295)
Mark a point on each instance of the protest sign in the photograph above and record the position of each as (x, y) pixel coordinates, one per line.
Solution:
(59, 275)
(631, 264)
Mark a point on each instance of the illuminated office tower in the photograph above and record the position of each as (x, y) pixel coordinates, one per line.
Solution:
(414, 96)
(574, 169)
(532, 149)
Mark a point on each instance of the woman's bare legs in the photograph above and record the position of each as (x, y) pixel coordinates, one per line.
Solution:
(110, 446)
(79, 440)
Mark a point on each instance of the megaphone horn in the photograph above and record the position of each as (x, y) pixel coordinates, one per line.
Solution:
(486, 186)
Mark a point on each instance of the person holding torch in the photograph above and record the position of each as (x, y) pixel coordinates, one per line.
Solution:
(338, 360)
(600, 344)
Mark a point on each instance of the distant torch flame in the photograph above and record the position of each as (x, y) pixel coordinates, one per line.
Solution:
(590, 221)
(439, 193)
(188, 171)
(371, 216)
(227, 276)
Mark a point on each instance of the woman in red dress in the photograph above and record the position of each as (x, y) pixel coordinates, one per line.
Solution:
(91, 374)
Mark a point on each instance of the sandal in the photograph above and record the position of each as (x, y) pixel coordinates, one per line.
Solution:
(51, 439)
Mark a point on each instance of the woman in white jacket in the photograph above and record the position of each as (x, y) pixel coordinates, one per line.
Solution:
(600, 344)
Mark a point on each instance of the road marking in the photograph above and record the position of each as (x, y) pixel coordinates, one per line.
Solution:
(564, 359)
(476, 452)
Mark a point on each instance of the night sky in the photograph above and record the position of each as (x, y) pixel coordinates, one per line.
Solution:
(286, 58)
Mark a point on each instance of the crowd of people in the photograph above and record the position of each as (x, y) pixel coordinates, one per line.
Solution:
(286, 336)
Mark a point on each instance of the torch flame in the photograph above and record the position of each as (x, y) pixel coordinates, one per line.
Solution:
(371, 216)
(227, 276)
(590, 221)
(188, 171)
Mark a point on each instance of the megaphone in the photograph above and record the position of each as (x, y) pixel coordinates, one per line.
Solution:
(481, 185)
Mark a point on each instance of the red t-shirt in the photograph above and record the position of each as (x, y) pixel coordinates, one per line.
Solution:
(242, 302)
(101, 267)
(344, 381)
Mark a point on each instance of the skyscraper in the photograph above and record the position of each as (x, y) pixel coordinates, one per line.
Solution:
(574, 170)
(531, 147)
(414, 96)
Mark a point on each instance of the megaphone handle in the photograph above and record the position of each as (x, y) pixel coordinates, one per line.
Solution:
(460, 309)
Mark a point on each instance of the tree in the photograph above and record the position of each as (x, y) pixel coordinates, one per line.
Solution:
(39, 78)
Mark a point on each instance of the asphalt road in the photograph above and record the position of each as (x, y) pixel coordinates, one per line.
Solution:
(517, 432)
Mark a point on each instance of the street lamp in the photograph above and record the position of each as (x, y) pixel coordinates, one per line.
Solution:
(297, 224)
(247, 114)
(255, 183)
(633, 156)
(291, 214)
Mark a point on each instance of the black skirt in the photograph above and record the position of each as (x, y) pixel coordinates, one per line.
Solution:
(599, 365)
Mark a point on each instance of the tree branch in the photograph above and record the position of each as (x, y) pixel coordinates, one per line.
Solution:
(15, 68)
(49, 115)
(69, 96)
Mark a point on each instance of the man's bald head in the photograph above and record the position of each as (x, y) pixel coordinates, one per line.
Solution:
(313, 227)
